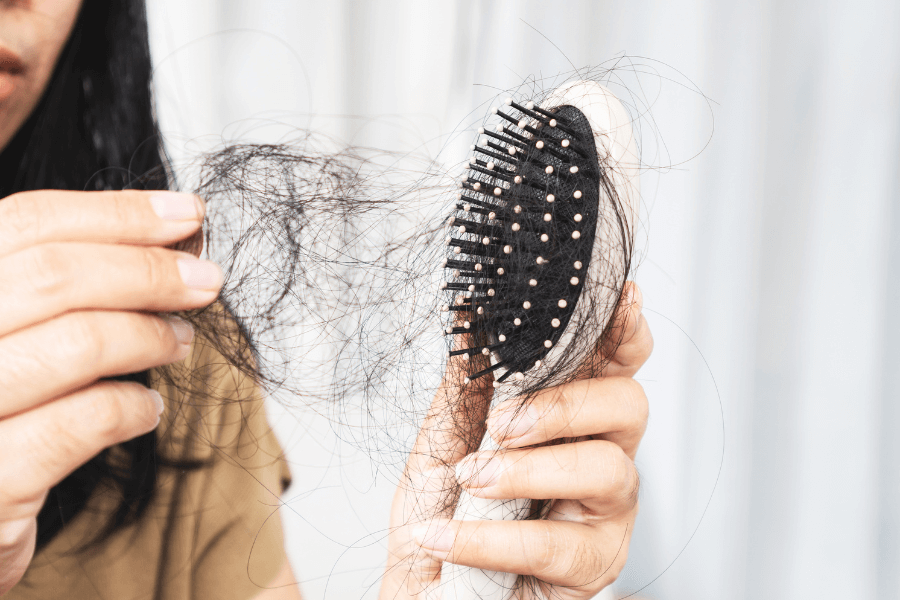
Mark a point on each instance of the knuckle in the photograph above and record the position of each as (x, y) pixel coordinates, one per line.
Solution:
(49, 270)
(587, 563)
(151, 267)
(105, 412)
(82, 340)
(20, 214)
(121, 207)
(15, 532)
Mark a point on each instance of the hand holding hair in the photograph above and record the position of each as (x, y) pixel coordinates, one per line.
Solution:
(582, 545)
(80, 275)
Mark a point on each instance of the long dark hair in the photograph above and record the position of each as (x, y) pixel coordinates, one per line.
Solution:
(94, 129)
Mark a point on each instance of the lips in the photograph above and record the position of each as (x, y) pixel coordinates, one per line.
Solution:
(11, 68)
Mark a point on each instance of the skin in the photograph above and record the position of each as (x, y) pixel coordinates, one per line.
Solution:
(82, 276)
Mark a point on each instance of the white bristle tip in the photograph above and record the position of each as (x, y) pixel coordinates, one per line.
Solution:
(539, 145)
(548, 344)
(498, 128)
(478, 266)
(578, 218)
(456, 272)
(467, 207)
(555, 322)
(473, 160)
(459, 299)
(497, 384)
(491, 166)
(517, 321)
(486, 241)
(476, 186)
(529, 105)
(508, 101)
(548, 217)
(577, 264)
(443, 263)
(480, 310)
(551, 198)
(507, 249)
(466, 356)
(472, 147)
(577, 194)
(562, 303)
(516, 227)
(472, 288)
(452, 220)
(518, 179)
(522, 124)
(501, 337)
(443, 285)
(574, 281)
(448, 330)
(467, 325)
(501, 271)
(445, 308)
(494, 110)
(564, 143)
(552, 122)
(538, 363)
(511, 150)
(481, 130)
(498, 191)
(519, 377)
(526, 305)
(485, 351)
(576, 235)
(573, 169)
(545, 237)
(462, 229)
(492, 215)
(517, 209)
(532, 282)
(539, 260)
(549, 170)
(467, 381)
(491, 292)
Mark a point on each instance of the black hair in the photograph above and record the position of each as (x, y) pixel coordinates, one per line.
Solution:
(94, 129)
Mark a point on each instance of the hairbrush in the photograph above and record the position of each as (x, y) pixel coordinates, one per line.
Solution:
(538, 252)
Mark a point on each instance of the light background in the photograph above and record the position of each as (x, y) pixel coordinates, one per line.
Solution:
(775, 251)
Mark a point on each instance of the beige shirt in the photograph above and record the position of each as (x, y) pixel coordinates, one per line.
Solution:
(221, 521)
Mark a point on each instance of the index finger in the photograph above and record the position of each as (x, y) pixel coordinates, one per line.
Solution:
(122, 217)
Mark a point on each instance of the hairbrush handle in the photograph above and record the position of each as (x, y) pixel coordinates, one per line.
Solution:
(584, 282)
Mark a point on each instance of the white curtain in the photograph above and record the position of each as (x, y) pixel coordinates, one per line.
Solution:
(770, 270)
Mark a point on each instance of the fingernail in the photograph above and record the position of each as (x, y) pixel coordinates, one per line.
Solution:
(478, 472)
(184, 333)
(157, 399)
(510, 421)
(200, 274)
(436, 536)
(175, 206)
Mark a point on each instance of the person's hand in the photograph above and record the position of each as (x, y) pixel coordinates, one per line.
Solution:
(80, 275)
(582, 545)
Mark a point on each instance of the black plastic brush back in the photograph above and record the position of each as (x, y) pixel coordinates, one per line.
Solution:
(515, 273)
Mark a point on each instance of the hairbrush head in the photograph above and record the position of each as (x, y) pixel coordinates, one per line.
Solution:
(548, 202)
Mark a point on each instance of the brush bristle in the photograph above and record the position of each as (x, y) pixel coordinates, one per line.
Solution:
(522, 232)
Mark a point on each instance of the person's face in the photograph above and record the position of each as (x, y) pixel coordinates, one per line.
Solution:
(32, 34)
